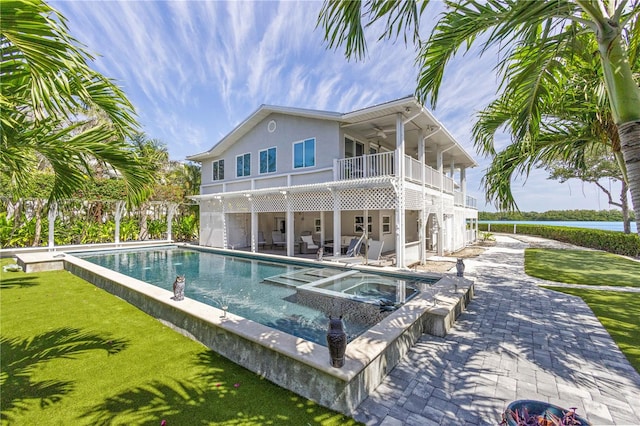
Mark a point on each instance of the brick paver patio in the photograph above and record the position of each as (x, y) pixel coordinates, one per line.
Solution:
(515, 341)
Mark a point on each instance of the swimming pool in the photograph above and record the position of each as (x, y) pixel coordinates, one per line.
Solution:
(285, 296)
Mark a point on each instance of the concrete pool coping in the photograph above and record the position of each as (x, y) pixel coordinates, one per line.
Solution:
(289, 361)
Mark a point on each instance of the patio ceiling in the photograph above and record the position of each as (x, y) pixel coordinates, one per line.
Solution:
(378, 124)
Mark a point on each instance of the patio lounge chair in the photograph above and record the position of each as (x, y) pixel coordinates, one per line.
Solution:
(352, 251)
(261, 241)
(279, 239)
(308, 245)
(374, 252)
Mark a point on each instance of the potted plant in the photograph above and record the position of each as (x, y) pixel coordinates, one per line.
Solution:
(527, 412)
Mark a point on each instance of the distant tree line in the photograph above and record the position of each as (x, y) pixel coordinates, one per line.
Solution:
(557, 215)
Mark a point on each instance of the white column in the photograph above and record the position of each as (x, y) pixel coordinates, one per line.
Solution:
(172, 209)
(422, 232)
(120, 207)
(53, 212)
(290, 227)
(225, 225)
(254, 227)
(321, 228)
(463, 185)
(365, 231)
(463, 188)
(337, 223)
(440, 215)
(400, 215)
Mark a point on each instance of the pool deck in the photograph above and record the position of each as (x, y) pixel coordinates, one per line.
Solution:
(515, 341)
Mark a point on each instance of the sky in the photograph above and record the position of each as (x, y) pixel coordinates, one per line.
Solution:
(195, 69)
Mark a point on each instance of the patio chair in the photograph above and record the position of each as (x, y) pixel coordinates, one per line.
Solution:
(278, 239)
(308, 245)
(374, 252)
(352, 251)
(261, 241)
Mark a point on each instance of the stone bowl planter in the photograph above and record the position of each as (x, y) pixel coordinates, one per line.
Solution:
(527, 412)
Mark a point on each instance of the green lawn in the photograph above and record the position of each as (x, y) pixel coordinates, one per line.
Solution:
(582, 267)
(619, 313)
(73, 354)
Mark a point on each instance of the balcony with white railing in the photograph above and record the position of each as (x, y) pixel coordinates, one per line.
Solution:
(432, 177)
(383, 164)
(365, 166)
(469, 202)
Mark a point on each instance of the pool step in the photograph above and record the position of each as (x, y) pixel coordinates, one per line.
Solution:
(301, 277)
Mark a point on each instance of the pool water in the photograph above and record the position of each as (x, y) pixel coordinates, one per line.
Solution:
(266, 292)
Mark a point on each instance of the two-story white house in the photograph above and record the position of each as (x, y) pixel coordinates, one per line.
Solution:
(391, 170)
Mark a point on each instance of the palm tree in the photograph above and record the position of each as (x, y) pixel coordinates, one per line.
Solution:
(536, 41)
(49, 101)
(188, 176)
(153, 153)
(575, 135)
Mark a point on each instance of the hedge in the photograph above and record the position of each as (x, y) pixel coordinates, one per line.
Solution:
(610, 241)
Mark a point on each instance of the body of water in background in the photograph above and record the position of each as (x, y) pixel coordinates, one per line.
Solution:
(606, 226)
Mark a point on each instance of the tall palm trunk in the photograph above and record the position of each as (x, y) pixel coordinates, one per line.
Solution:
(144, 227)
(624, 97)
(39, 204)
(624, 202)
(630, 146)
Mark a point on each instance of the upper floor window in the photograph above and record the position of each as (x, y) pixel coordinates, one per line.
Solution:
(243, 165)
(268, 160)
(218, 170)
(304, 153)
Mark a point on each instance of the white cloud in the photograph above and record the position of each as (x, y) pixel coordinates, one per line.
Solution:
(195, 69)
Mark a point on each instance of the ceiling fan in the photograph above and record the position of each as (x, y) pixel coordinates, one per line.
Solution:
(381, 132)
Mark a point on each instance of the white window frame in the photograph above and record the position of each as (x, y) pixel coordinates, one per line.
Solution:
(275, 162)
(213, 176)
(359, 223)
(293, 154)
(386, 224)
(243, 165)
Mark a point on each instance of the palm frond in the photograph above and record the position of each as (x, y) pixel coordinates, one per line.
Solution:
(47, 98)
(342, 22)
(503, 23)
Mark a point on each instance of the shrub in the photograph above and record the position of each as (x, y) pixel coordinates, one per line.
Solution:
(610, 241)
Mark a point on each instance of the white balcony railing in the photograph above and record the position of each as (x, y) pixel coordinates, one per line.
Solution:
(432, 177)
(382, 164)
(458, 198)
(470, 202)
(365, 166)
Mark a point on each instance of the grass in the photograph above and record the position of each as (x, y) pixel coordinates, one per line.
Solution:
(582, 267)
(74, 354)
(619, 313)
